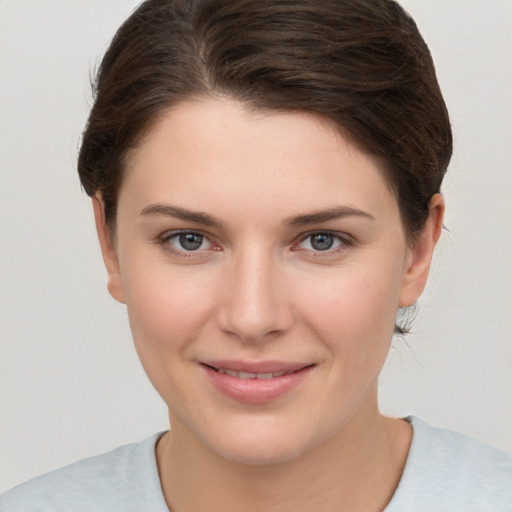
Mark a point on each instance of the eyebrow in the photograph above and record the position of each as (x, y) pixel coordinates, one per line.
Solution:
(182, 213)
(327, 215)
(298, 220)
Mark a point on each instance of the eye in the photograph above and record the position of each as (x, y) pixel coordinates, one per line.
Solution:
(322, 241)
(188, 241)
(185, 242)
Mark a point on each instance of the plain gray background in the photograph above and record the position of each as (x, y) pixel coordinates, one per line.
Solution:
(70, 382)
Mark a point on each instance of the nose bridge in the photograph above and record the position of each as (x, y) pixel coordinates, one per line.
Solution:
(255, 304)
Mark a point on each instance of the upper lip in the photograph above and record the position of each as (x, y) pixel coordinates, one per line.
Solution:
(257, 367)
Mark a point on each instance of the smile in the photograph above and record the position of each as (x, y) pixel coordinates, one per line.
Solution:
(250, 375)
(266, 382)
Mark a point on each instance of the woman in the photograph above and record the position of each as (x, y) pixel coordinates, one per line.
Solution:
(265, 180)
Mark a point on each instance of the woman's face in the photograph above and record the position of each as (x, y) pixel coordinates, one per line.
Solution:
(262, 260)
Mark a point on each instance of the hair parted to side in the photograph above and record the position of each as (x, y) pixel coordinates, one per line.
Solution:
(360, 63)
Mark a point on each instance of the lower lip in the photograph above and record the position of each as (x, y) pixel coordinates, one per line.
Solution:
(255, 391)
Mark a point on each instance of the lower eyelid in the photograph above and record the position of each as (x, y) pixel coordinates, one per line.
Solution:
(165, 240)
(173, 235)
(167, 243)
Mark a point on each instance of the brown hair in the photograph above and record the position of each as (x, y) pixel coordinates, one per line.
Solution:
(361, 63)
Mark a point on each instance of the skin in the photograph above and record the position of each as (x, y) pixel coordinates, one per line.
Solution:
(257, 289)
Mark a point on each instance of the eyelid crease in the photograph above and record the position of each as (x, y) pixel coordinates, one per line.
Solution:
(330, 232)
(164, 239)
(344, 239)
(167, 235)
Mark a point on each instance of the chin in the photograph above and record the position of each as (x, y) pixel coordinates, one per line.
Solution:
(261, 443)
(265, 453)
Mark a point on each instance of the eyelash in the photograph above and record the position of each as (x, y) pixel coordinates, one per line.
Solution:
(344, 241)
(165, 242)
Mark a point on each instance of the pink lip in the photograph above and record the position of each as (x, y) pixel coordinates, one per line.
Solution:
(256, 391)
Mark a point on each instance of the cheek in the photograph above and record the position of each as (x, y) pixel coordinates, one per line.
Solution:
(355, 312)
(167, 310)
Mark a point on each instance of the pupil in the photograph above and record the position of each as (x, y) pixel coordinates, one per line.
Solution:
(322, 242)
(191, 242)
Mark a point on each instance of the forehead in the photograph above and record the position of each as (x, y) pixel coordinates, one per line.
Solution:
(213, 151)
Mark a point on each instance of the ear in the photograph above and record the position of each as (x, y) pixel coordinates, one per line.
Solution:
(420, 254)
(108, 251)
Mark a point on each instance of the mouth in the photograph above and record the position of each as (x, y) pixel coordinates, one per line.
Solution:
(255, 383)
(251, 375)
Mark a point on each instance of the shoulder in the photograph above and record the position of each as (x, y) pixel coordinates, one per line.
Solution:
(118, 480)
(449, 471)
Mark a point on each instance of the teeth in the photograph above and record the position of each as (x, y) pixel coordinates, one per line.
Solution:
(246, 375)
(250, 375)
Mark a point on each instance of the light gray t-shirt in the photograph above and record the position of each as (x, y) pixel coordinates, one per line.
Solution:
(445, 471)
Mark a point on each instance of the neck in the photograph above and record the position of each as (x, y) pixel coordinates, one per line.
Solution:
(358, 469)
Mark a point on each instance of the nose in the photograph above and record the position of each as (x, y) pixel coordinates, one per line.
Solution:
(254, 304)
